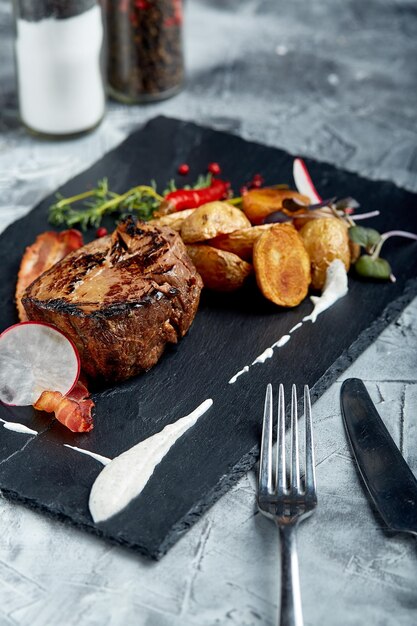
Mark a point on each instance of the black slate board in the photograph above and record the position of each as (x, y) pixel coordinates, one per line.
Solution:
(228, 332)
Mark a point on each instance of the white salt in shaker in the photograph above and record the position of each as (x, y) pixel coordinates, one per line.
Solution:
(58, 50)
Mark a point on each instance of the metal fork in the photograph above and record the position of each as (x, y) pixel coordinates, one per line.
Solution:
(287, 504)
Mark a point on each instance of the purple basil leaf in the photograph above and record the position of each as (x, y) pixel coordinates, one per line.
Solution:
(323, 203)
(277, 217)
(347, 203)
(293, 204)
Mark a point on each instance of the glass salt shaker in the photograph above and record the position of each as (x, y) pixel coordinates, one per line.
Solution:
(58, 50)
(145, 54)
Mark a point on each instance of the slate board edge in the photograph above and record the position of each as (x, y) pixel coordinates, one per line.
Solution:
(29, 503)
(141, 127)
(295, 155)
(365, 339)
(390, 313)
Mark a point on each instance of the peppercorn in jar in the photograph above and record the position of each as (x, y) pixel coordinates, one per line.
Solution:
(145, 55)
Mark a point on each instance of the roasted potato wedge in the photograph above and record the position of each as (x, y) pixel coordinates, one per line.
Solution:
(299, 221)
(240, 242)
(308, 216)
(282, 265)
(173, 220)
(258, 203)
(220, 270)
(212, 219)
(325, 239)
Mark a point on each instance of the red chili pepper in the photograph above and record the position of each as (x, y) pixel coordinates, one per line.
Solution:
(214, 168)
(183, 169)
(193, 198)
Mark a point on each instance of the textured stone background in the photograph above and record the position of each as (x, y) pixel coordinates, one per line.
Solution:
(336, 81)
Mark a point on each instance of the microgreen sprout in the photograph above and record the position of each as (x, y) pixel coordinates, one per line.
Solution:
(392, 233)
(370, 265)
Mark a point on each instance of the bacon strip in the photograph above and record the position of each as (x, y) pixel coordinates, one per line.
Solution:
(73, 411)
(48, 248)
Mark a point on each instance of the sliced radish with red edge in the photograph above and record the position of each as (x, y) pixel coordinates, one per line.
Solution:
(303, 181)
(35, 357)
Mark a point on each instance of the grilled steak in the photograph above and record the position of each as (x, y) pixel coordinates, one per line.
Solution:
(120, 298)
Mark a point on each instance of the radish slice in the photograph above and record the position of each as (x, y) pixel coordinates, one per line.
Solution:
(303, 181)
(35, 357)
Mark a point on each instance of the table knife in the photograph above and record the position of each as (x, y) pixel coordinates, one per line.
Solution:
(390, 482)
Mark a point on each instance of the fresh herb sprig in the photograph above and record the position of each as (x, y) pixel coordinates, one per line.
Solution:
(203, 181)
(88, 208)
(99, 201)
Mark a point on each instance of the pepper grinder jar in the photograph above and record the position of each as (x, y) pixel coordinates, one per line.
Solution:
(58, 50)
(144, 47)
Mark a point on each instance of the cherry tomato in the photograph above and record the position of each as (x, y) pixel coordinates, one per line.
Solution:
(101, 232)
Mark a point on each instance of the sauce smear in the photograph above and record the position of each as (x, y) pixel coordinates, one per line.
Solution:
(124, 478)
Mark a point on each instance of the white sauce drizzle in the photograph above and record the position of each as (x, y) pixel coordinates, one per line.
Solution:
(239, 373)
(269, 352)
(98, 457)
(335, 287)
(296, 327)
(281, 342)
(125, 476)
(266, 354)
(18, 428)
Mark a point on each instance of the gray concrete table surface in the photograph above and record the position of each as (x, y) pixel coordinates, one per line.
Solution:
(336, 81)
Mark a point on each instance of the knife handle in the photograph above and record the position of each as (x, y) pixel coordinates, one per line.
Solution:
(291, 611)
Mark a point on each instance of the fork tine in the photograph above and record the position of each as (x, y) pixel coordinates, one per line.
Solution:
(287, 504)
(295, 466)
(310, 473)
(281, 467)
(265, 463)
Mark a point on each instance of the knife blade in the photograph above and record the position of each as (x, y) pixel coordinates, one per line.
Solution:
(390, 482)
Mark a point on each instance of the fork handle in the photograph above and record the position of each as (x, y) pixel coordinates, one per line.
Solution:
(291, 612)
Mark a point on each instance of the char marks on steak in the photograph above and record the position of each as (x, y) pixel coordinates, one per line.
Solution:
(120, 298)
